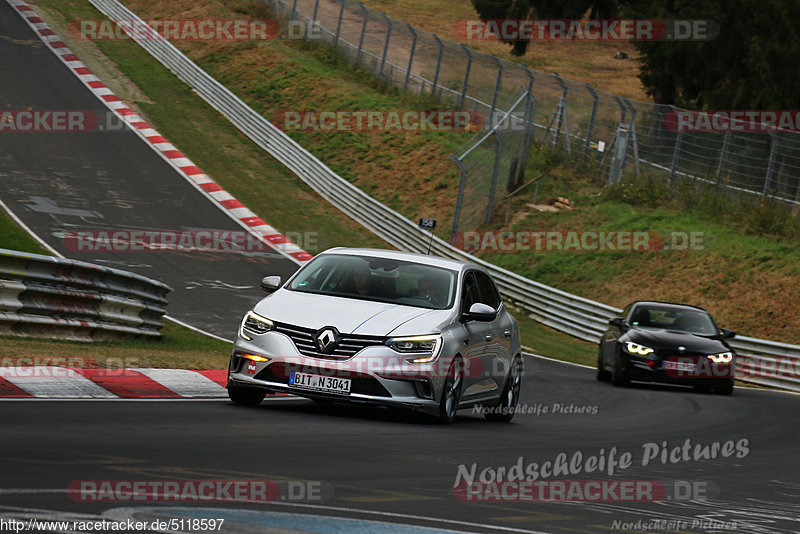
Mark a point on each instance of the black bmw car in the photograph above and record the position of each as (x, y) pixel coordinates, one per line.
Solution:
(664, 342)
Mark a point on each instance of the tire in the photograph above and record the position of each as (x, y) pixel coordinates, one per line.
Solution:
(507, 405)
(602, 374)
(245, 396)
(451, 394)
(726, 388)
(619, 375)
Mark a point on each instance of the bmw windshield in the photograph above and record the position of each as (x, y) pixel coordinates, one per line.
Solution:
(377, 279)
(683, 320)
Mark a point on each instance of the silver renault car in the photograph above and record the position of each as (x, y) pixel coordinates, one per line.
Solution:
(382, 327)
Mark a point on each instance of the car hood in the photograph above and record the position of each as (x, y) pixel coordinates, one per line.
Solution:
(672, 339)
(351, 316)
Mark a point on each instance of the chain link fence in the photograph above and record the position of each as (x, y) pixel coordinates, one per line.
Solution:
(606, 131)
(492, 163)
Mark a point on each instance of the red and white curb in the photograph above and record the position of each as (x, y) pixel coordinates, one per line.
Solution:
(221, 198)
(49, 382)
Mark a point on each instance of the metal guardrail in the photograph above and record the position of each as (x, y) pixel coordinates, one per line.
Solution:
(45, 296)
(574, 315)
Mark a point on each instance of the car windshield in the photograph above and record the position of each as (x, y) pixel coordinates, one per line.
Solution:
(693, 321)
(377, 279)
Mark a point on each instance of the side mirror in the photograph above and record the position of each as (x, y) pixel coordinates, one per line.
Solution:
(480, 312)
(619, 322)
(270, 284)
(727, 334)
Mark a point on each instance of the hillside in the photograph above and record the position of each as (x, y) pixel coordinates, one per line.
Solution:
(747, 274)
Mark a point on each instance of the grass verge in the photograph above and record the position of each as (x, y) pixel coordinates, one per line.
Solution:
(180, 348)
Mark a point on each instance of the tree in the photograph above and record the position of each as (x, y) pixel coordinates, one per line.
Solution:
(541, 9)
(751, 64)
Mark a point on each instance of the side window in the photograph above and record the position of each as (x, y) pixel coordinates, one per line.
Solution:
(471, 291)
(489, 294)
(627, 311)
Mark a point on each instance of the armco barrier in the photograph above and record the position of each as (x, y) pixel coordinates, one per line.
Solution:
(577, 316)
(45, 296)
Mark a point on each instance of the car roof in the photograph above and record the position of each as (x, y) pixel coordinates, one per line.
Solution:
(436, 261)
(667, 304)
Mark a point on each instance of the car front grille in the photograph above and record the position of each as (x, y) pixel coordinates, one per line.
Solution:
(360, 383)
(672, 353)
(304, 340)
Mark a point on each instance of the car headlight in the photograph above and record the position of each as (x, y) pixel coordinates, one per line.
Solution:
(253, 323)
(722, 357)
(635, 348)
(426, 346)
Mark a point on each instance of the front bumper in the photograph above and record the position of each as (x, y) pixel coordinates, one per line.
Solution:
(703, 372)
(378, 375)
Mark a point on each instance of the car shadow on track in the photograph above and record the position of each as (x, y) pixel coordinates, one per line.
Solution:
(288, 405)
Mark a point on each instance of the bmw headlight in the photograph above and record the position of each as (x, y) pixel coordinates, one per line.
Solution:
(639, 350)
(426, 346)
(722, 357)
(253, 323)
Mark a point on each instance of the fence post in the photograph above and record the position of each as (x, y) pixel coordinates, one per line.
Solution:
(496, 88)
(675, 152)
(339, 24)
(459, 198)
(773, 153)
(316, 10)
(530, 112)
(363, 31)
(411, 55)
(618, 157)
(588, 144)
(438, 64)
(632, 137)
(562, 113)
(497, 155)
(385, 43)
(723, 154)
(530, 78)
(466, 77)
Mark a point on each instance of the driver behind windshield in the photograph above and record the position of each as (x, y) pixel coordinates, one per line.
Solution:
(432, 288)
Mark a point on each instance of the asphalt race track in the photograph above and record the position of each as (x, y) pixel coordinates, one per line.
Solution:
(726, 464)
(359, 460)
(58, 182)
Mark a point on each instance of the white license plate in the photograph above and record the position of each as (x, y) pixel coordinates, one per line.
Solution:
(329, 384)
(680, 366)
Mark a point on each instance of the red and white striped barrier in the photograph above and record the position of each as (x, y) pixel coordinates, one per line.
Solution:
(185, 167)
(51, 382)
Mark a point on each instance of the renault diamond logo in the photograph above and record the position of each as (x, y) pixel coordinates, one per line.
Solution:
(327, 340)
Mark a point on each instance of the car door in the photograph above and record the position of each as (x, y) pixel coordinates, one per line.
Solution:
(477, 336)
(608, 343)
(497, 354)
